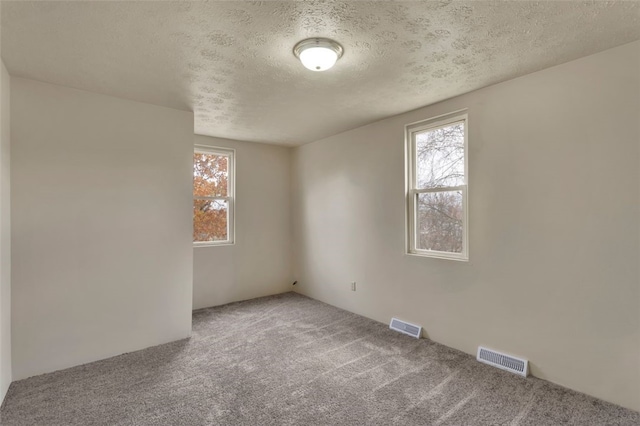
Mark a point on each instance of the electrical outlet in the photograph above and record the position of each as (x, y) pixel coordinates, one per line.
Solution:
(353, 286)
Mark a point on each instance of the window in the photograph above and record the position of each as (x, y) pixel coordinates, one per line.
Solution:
(437, 187)
(213, 196)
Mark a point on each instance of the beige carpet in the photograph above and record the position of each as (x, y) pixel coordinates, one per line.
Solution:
(290, 360)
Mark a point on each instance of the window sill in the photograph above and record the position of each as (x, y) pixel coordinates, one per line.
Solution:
(439, 255)
(213, 244)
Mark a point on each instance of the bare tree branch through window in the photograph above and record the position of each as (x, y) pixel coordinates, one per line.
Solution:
(438, 187)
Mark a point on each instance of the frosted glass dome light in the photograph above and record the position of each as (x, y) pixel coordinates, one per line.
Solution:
(318, 54)
(318, 58)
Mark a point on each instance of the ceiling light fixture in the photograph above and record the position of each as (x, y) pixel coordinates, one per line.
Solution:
(318, 54)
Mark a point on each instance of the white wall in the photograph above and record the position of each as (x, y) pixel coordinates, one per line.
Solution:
(5, 235)
(259, 263)
(101, 226)
(554, 225)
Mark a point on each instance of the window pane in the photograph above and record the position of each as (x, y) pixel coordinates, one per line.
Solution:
(440, 157)
(439, 221)
(210, 218)
(210, 175)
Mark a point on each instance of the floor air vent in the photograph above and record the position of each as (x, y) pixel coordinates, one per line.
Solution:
(405, 327)
(504, 362)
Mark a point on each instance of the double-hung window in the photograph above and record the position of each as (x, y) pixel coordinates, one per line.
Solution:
(437, 212)
(213, 196)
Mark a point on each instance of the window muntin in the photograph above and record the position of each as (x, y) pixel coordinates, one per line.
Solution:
(437, 187)
(213, 196)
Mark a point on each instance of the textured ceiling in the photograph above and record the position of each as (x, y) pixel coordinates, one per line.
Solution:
(232, 62)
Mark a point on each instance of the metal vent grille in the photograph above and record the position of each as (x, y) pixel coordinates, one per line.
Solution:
(504, 362)
(405, 327)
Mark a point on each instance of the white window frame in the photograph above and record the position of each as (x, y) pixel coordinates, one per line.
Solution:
(411, 130)
(231, 193)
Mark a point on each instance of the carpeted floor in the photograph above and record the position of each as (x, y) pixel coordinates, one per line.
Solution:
(290, 360)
